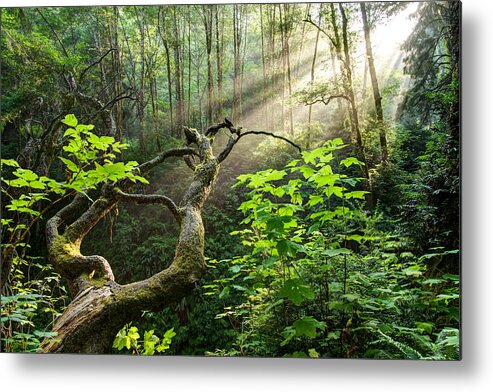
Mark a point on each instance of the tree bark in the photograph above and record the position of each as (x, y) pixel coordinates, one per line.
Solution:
(207, 18)
(101, 306)
(178, 78)
(236, 61)
(349, 89)
(140, 95)
(312, 70)
(219, 65)
(164, 39)
(376, 91)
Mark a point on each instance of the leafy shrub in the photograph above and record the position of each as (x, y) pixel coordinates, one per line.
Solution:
(325, 277)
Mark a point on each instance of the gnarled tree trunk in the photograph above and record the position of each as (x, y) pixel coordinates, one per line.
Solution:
(101, 306)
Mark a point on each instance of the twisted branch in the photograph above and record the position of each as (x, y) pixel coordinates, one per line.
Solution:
(174, 152)
(149, 199)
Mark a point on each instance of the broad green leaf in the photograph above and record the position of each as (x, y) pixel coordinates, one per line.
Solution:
(314, 200)
(37, 185)
(307, 171)
(351, 161)
(297, 291)
(70, 132)
(307, 326)
(70, 165)
(336, 252)
(287, 248)
(133, 333)
(26, 174)
(70, 120)
(10, 162)
(293, 163)
(356, 194)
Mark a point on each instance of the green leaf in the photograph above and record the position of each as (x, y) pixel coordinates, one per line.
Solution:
(414, 270)
(307, 326)
(314, 200)
(297, 354)
(26, 174)
(133, 333)
(140, 179)
(37, 185)
(325, 180)
(293, 163)
(287, 248)
(235, 269)
(351, 161)
(453, 278)
(296, 291)
(224, 292)
(70, 132)
(70, 165)
(306, 171)
(433, 281)
(356, 194)
(70, 120)
(169, 334)
(335, 252)
(10, 162)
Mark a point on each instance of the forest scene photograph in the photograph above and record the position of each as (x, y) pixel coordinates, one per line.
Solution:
(237, 180)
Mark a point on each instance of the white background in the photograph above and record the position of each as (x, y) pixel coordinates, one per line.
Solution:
(474, 373)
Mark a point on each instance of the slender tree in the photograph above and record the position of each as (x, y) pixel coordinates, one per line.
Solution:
(374, 82)
(207, 19)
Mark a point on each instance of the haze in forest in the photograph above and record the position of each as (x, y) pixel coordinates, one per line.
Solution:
(268, 180)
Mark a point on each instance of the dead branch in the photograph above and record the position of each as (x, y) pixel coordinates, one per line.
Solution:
(83, 73)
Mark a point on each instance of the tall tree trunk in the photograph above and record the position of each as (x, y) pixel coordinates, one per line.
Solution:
(282, 58)
(219, 69)
(236, 60)
(287, 33)
(140, 100)
(264, 68)
(312, 76)
(302, 42)
(116, 60)
(374, 82)
(164, 39)
(244, 32)
(178, 79)
(348, 82)
(207, 18)
(189, 89)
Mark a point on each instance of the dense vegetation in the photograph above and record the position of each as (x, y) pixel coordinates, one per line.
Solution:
(315, 157)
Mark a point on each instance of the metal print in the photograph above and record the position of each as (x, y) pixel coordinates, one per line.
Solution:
(269, 180)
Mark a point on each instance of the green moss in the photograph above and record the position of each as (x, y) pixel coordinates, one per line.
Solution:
(61, 250)
(98, 282)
